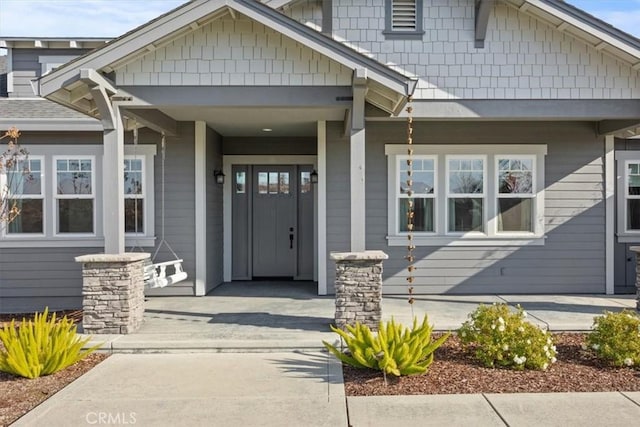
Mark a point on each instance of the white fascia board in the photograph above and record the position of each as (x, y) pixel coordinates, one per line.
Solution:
(585, 27)
(118, 49)
(277, 4)
(182, 18)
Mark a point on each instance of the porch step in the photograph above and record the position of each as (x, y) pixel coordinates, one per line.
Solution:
(140, 343)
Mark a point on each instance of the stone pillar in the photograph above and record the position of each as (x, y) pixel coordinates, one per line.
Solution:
(636, 249)
(358, 287)
(113, 291)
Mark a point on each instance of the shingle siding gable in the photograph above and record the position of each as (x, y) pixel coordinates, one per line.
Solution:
(523, 57)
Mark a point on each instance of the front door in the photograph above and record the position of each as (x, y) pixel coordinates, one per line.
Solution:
(274, 223)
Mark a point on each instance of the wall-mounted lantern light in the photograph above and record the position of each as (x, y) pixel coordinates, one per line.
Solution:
(219, 176)
(314, 177)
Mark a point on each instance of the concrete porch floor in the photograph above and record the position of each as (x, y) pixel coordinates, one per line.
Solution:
(281, 316)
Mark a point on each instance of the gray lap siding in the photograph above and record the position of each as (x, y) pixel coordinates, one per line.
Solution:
(572, 259)
(35, 277)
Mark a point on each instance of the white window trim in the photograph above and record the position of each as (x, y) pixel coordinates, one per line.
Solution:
(51, 240)
(449, 195)
(55, 196)
(490, 237)
(623, 158)
(41, 196)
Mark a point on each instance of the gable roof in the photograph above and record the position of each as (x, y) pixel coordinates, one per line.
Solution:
(387, 88)
(580, 24)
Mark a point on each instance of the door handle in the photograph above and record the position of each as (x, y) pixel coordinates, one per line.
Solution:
(290, 237)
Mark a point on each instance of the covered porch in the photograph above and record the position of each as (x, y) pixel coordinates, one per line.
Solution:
(284, 316)
(211, 76)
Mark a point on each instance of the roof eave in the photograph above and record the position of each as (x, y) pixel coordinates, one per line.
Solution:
(171, 25)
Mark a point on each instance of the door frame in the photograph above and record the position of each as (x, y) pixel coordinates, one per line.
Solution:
(228, 161)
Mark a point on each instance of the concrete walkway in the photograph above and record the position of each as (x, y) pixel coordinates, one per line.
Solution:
(255, 389)
(229, 360)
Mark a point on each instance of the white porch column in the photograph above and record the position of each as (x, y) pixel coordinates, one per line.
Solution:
(113, 187)
(357, 162)
(610, 236)
(113, 161)
(321, 211)
(201, 207)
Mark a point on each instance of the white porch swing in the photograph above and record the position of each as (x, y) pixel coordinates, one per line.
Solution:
(159, 274)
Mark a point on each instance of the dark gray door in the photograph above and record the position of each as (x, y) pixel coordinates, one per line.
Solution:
(274, 224)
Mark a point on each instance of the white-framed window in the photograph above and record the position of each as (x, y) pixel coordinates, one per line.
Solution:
(134, 195)
(466, 176)
(480, 195)
(66, 202)
(403, 19)
(632, 196)
(423, 183)
(74, 194)
(628, 196)
(25, 186)
(516, 190)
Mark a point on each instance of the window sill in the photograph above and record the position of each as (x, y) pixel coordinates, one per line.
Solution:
(403, 35)
(628, 238)
(467, 241)
(75, 242)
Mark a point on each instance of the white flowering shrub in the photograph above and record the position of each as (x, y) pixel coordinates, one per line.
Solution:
(615, 337)
(502, 338)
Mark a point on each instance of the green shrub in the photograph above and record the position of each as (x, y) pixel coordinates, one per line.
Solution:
(41, 346)
(615, 337)
(503, 338)
(395, 349)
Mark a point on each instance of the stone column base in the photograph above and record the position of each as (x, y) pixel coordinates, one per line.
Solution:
(358, 288)
(113, 291)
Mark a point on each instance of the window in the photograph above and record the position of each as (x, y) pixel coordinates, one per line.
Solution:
(25, 187)
(515, 193)
(74, 194)
(60, 197)
(632, 187)
(403, 19)
(422, 182)
(628, 196)
(273, 182)
(465, 194)
(134, 195)
(476, 195)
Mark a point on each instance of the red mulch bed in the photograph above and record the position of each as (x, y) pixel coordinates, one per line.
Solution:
(455, 371)
(20, 395)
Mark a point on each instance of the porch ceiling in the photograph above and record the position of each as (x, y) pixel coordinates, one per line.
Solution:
(248, 121)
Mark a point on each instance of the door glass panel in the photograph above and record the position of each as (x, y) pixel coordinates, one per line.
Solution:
(263, 182)
(284, 182)
(305, 182)
(240, 183)
(273, 182)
